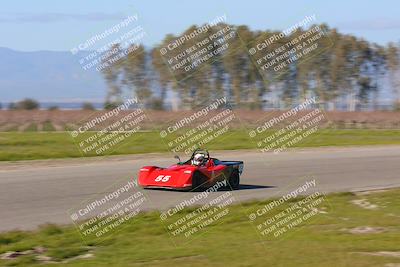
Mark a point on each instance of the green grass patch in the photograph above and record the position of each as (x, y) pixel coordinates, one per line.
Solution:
(144, 241)
(48, 127)
(11, 128)
(31, 128)
(45, 145)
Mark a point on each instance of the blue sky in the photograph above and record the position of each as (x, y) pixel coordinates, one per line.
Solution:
(61, 25)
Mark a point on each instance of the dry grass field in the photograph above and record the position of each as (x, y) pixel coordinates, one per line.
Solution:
(61, 120)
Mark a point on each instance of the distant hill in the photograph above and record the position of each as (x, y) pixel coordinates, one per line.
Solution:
(47, 76)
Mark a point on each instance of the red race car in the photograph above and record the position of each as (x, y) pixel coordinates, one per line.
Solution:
(199, 172)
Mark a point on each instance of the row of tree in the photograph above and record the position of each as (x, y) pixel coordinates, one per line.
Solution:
(25, 104)
(32, 104)
(348, 71)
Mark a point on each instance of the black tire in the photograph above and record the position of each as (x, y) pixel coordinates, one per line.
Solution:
(197, 181)
(234, 180)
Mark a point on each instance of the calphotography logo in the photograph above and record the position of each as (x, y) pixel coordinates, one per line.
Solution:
(192, 50)
(107, 48)
(105, 131)
(207, 124)
(96, 219)
(211, 208)
(288, 213)
(274, 54)
(289, 129)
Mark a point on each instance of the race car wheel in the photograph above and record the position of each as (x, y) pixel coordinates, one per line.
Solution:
(234, 180)
(197, 181)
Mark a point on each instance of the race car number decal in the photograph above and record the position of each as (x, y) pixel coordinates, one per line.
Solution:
(162, 178)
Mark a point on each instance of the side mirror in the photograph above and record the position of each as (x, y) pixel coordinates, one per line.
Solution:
(178, 158)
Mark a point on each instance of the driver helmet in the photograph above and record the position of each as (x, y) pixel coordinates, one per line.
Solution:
(198, 159)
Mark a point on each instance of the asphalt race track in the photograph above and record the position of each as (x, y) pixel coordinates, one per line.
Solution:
(34, 193)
